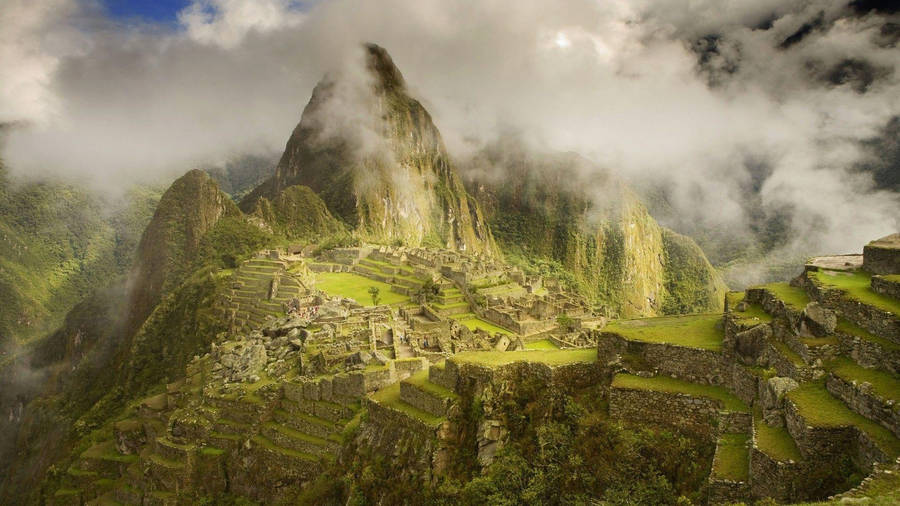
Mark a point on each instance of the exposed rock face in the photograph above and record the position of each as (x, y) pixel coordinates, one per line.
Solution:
(188, 209)
(561, 207)
(373, 154)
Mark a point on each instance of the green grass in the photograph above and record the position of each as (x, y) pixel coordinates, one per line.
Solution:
(296, 434)
(477, 323)
(821, 409)
(775, 442)
(549, 357)
(675, 386)
(893, 278)
(694, 331)
(420, 380)
(883, 384)
(390, 397)
(732, 457)
(754, 314)
(211, 451)
(354, 286)
(850, 328)
(857, 285)
(814, 342)
(543, 344)
(788, 353)
(790, 295)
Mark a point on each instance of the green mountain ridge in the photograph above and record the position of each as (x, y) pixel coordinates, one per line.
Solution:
(618, 255)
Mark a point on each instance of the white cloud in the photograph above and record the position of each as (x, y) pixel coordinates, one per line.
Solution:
(227, 22)
(626, 91)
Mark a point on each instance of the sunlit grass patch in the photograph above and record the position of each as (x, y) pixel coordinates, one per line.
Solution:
(676, 386)
(857, 285)
(356, 287)
(696, 331)
(549, 357)
(821, 409)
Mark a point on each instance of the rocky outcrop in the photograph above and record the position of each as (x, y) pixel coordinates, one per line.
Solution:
(373, 154)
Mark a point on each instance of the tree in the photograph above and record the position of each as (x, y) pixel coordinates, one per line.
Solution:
(374, 292)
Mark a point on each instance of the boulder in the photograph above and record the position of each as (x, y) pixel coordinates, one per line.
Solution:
(820, 320)
(772, 399)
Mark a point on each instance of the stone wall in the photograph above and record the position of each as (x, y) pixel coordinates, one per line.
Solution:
(881, 260)
(876, 321)
(773, 478)
(696, 414)
(744, 383)
(861, 399)
(723, 491)
(692, 364)
(832, 442)
(886, 287)
(869, 353)
(414, 396)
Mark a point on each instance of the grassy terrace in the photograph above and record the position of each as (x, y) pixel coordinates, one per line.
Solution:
(269, 445)
(850, 328)
(390, 397)
(420, 380)
(478, 323)
(857, 286)
(354, 286)
(883, 384)
(381, 263)
(732, 457)
(821, 409)
(694, 331)
(752, 316)
(790, 295)
(787, 353)
(549, 357)
(675, 386)
(775, 442)
(543, 344)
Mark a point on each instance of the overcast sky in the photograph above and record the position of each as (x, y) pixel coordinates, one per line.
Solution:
(710, 97)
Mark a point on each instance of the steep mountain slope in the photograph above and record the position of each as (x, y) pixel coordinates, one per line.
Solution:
(190, 208)
(372, 153)
(296, 213)
(547, 206)
(58, 243)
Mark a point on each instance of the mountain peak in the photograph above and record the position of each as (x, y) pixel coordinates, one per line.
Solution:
(380, 63)
(379, 163)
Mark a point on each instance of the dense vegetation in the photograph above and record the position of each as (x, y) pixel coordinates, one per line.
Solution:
(57, 244)
(562, 450)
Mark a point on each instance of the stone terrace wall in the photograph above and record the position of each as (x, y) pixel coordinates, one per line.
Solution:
(692, 364)
(825, 442)
(864, 402)
(772, 478)
(696, 414)
(874, 320)
(885, 287)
